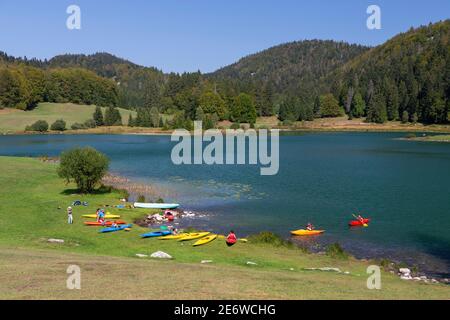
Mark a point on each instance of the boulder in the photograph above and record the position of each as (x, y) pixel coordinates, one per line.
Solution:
(160, 255)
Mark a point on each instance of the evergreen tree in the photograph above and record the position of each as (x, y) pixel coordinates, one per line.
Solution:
(376, 110)
(98, 117)
(316, 108)
(130, 121)
(358, 106)
(329, 106)
(154, 117)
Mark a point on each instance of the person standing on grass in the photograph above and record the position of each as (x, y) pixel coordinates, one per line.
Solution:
(69, 215)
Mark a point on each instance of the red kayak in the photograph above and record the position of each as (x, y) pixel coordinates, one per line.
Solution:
(107, 223)
(355, 223)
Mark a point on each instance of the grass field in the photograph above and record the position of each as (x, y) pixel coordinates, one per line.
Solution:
(13, 120)
(32, 267)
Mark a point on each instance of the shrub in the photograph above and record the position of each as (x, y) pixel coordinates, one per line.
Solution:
(267, 237)
(21, 106)
(39, 126)
(288, 123)
(78, 126)
(235, 126)
(405, 117)
(58, 125)
(90, 123)
(335, 251)
(85, 166)
(141, 198)
(160, 200)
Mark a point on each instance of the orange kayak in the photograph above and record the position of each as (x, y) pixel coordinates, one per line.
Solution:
(303, 232)
(99, 224)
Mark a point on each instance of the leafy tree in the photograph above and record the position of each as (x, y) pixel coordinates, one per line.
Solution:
(98, 117)
(199, 114)
(243, 109)
(39, 126)
(90, 123)
(329, 106)
(85, 166)
(58, 125)
(78, 126)
(211, 103)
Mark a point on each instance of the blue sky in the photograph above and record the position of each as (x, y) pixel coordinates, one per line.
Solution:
(190, 35)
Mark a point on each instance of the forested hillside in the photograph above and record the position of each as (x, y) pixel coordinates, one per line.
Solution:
(406, 79)
(23, 87)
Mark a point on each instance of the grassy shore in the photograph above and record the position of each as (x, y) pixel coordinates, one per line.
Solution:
(15, 121)
(34, 268)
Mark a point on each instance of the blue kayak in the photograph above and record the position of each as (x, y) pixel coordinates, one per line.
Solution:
(156, 234)
(118, 228)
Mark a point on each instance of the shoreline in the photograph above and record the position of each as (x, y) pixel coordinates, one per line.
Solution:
(318, 275)
(395, 257)
(319, 125)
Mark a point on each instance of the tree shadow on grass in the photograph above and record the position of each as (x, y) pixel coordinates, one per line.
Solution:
(100, 191)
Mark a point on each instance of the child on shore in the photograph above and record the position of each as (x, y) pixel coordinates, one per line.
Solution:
(231, 238)
(69, 215)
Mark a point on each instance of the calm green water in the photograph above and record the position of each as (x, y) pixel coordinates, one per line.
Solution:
(403, 186)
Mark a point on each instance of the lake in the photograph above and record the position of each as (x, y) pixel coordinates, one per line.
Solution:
(404, 186)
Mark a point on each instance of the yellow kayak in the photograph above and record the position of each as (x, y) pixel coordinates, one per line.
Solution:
(303, 232)
(192, 236)
(107, 216)
(205, 240)
(173, 236)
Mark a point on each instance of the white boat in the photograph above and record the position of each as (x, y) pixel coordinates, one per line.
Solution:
(156, 205)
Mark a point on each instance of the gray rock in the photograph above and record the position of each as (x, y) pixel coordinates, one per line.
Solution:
(55, 240)
(160, 255)
(404, 271)
(140, 255)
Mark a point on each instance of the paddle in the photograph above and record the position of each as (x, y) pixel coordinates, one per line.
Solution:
(363, 224)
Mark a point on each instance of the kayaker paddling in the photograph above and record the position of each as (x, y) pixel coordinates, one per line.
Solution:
(310, 226)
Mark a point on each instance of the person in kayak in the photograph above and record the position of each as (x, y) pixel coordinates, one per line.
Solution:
(231, 238)
(310, 226)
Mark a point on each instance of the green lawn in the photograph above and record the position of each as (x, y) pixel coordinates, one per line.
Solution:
(12, 120)
(31, 194)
